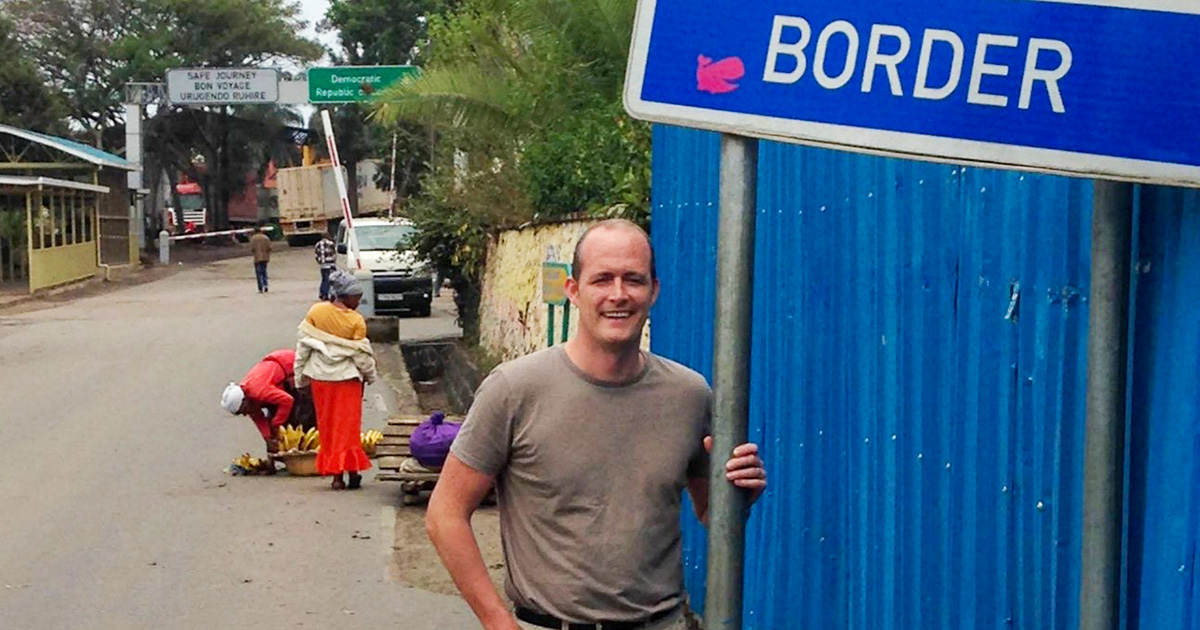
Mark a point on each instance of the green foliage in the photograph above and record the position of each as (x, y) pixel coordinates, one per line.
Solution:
(72, 42)
(529, 93)
(592, 161)
(25, 101)
(381, 32)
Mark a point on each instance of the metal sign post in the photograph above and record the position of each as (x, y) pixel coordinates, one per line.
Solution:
(1104, 434)
(728, 506)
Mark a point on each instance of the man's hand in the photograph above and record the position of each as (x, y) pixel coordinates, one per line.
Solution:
(744, 468)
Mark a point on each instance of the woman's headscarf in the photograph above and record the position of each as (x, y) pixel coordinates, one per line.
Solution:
(342, 284)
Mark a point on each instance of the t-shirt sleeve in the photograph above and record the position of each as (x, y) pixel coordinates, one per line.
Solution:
(698, 464)
(485, 439)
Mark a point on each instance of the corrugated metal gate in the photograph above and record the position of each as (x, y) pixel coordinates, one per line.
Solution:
(117, 244)
(917, 385)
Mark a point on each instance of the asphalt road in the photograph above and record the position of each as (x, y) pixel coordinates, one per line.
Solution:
(114, 510)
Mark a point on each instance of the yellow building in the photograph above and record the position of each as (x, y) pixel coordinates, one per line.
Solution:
(64, 211)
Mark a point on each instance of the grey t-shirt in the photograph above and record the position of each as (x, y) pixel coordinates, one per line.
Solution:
(590, 478)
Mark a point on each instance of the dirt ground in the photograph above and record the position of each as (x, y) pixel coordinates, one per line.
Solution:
(418, 565)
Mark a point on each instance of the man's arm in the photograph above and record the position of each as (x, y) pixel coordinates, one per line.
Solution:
(282, 401)
(458, 493)
(258, 416)
(744, 469)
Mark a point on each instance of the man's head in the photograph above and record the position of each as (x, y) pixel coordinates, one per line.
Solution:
(613, 283)
(326, 237)
(233, 399)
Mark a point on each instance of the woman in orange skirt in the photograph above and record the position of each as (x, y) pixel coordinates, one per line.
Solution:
(334, 354)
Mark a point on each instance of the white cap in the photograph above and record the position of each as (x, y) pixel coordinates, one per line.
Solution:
(232, 397)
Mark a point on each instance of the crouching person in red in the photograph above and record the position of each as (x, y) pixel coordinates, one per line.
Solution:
(333, 352)
(268, 395)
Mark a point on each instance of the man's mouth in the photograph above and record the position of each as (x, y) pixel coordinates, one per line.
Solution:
(618, 314)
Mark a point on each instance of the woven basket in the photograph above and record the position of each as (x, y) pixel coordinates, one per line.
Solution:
(302, 464)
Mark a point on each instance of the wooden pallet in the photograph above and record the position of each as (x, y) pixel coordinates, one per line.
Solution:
(393, 449)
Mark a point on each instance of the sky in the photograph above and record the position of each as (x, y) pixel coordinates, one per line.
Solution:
(313, 11)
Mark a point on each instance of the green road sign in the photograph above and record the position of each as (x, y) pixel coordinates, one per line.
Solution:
(348, 84)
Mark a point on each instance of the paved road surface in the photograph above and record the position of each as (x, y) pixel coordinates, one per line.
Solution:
(114, 511)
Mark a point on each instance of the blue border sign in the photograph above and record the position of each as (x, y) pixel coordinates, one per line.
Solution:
(1095, 88)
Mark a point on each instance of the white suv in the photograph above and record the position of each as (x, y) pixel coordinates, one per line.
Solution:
(403, 282)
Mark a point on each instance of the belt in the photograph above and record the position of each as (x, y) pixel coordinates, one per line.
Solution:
(550, 621)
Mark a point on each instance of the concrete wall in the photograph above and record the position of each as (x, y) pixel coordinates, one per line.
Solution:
(512, 317)
(513, 320)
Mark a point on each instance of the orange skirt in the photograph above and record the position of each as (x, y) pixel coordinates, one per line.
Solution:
(339, 419)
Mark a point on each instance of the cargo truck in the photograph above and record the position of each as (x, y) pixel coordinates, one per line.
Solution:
(308, 202)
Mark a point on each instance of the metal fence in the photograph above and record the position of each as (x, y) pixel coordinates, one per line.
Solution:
(918, 388)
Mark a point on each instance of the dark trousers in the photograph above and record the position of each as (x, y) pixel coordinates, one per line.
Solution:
(325, 271)
(260, 274)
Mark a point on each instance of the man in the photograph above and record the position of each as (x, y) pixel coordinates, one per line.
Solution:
(590, 445)
(260, 246)
(268, 395)
(326, 255)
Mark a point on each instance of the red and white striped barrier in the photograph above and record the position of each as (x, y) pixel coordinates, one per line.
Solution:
(184, 237)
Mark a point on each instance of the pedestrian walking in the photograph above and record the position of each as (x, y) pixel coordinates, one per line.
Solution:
(589, 445)
(326, 255)
(335, 356)
(260, 247)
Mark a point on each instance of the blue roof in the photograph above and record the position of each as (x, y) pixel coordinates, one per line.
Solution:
(70, 147)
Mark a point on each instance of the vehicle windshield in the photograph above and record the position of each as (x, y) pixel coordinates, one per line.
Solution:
(383, 237)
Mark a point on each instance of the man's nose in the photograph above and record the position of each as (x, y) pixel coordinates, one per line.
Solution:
(619, 291)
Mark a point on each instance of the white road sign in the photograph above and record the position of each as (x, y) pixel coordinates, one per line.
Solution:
(222, 86)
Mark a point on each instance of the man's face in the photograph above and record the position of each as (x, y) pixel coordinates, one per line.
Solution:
(614, 291)
(351, 301)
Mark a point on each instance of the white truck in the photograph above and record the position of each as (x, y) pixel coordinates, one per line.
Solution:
(309, 202)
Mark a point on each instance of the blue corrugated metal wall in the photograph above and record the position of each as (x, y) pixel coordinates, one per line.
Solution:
(1164, 445)
(923, 428)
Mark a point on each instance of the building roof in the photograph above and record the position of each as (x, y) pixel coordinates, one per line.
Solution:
(70, 147)
(49, 182)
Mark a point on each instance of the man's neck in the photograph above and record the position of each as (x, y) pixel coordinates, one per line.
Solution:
(605, 363)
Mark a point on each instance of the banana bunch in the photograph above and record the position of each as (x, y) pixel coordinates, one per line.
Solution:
(370, 439)
(296, 439)
(248, 463)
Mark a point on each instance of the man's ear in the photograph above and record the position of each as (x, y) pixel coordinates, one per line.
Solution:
(572, 289)
(654, 295)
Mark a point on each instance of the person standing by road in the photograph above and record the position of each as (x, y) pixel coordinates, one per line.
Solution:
(326, 255)
(260, 247)
(334, 354)
(590, 445)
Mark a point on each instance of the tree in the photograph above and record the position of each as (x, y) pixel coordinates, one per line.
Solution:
(25, 101)
(530, 92)
(380, 32)
(71, 42)
(89, 49)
